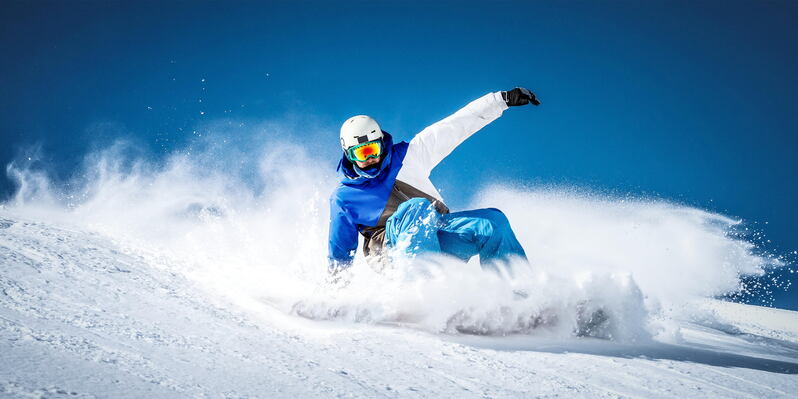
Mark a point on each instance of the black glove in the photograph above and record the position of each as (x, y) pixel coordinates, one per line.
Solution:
(519, 96)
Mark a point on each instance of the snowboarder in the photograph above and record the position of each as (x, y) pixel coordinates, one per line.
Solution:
(386, 195)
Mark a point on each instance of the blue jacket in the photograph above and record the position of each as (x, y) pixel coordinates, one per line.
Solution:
(359, 200)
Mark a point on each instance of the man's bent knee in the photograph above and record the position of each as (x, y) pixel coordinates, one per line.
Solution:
(416, 205)
(496, 216)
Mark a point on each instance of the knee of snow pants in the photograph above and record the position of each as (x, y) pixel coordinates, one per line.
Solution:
(413, 228)
(486, 232)
(416, 228)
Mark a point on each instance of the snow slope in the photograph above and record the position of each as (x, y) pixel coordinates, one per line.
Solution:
(195, 276)
(87, 314)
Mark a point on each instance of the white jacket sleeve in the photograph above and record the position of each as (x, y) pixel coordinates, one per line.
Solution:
(431, 145)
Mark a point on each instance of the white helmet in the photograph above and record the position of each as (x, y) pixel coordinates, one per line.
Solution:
(359, 129)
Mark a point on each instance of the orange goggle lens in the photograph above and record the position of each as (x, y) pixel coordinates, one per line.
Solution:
(364, 151)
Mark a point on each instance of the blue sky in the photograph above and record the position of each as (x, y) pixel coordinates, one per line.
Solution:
(689, 101)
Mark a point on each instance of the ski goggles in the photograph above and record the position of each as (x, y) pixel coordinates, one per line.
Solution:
(362, 152)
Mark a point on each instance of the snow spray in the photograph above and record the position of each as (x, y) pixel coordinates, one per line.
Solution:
(251, 227)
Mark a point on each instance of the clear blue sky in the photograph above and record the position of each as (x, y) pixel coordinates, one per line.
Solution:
(693, 101)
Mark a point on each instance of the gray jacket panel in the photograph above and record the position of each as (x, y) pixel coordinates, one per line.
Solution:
(401, 192)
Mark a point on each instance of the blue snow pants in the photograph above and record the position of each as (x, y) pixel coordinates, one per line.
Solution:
(416, 228)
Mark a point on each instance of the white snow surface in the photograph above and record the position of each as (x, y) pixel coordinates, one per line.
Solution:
(185, 280)
(82, 316)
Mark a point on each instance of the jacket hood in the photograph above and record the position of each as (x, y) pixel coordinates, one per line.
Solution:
(352, 175)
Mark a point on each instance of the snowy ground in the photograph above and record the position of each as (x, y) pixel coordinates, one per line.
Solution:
(83, 316)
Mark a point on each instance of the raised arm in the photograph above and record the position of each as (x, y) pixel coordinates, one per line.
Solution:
(431, 145)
